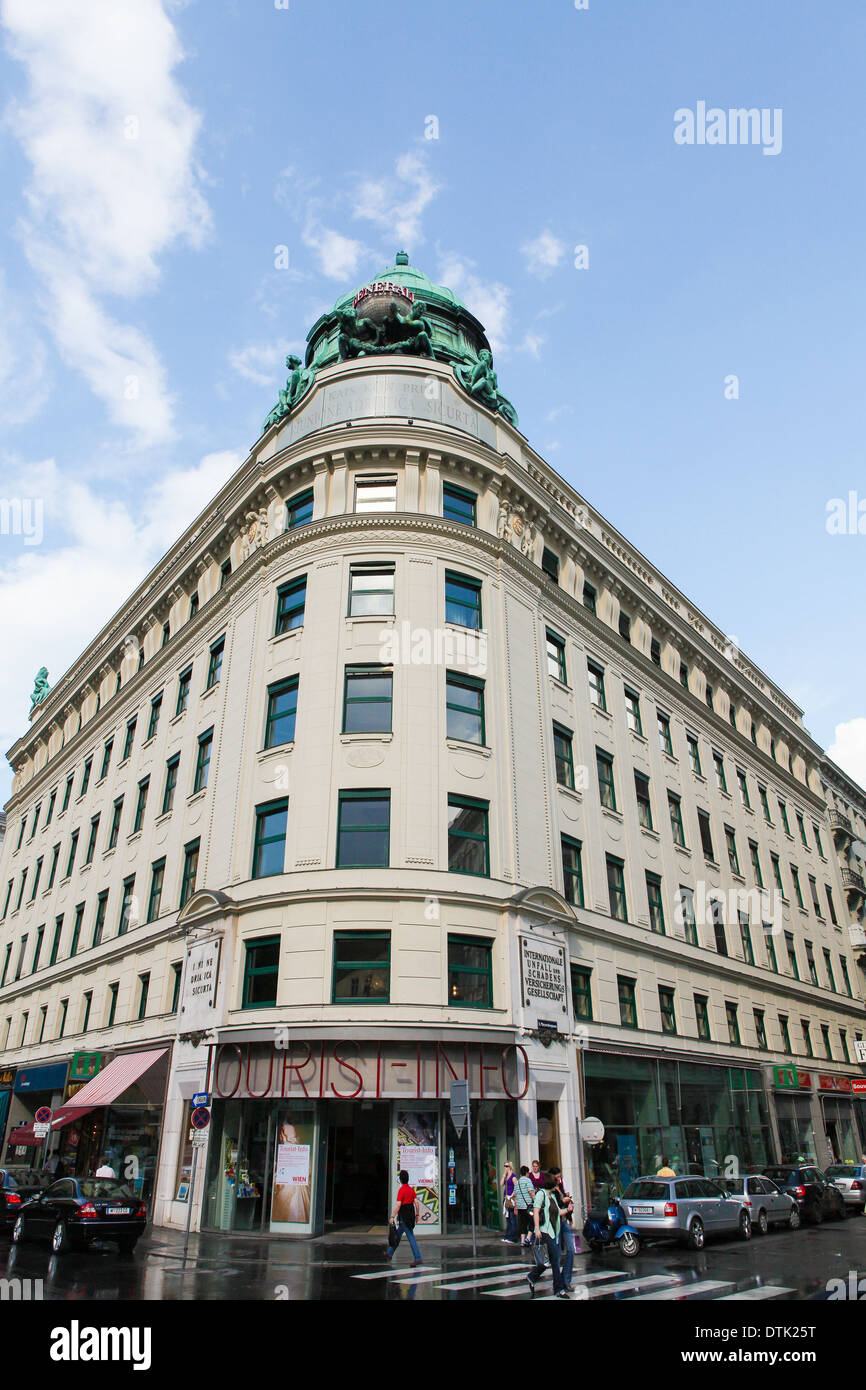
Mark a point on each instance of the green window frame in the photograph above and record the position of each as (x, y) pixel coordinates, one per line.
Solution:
(364, 829)
(644, 804)
(52, 799)
(581, 992)
(371, 591)
(73, 845)
(177, 973)
(771, 949)
(606, 786)
(810, 961)
(807, 1036)
(85, 776)
(55, 944)
(154, 897)
(225, 576)
(463, 600)
(127, 906)
(99, 919)
(76, 929)
(184, 682)
(818, 844)
(25, 871)
(202, 762)
(843, 1038)
(37, 950)
(299, 509)
(694, 755)
(765, 805)
(190, 871)
(91, 846)
(655, 903)
(746, 939)
(269, 840)
(743, 785)
(731, 843)
(550, 564)
(733, 1022)
(464, 708)
(55, 855)
(112, 1007)
(458, 504)
(572, 871)
(116, 818)
(368, 693)
(686, 913)
(215, 663)
(88, 1004)
(106, 761)
(846, 977)
(36, 809)
(706, 833)
(282, 713)
(632, 711)
(595, 681)
(172, 768)
(9, 887)
(664, 728)
(616, 888)
(589, 597)
(783, 812)
(470, 972)
(141, 805)
(802, 828)
(792, 954)
(676, 815)
(719, 765)
(127, 749)
(563, 756)
(143, 992)
(153, 722)
(831, 905)
(627, 994)
(777, 873)
(786, 1034)
(261, 972)
(361, 971)
(555, 646)
(798, 892)
(668, 1010)
(38, 874)
(468, 836)
(68, 791)
(755, 857)
(825, 1038)
(64, 1009)
(375, 492)
(813, 886)
(760, 1029)
(291, 604)
(193, 604)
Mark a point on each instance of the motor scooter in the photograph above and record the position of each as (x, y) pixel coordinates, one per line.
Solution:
(602, 1229)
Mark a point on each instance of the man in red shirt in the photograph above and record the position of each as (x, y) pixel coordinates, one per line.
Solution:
(404, 1215)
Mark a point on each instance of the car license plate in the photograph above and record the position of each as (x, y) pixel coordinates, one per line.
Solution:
(117, 1211)
(641, 1211)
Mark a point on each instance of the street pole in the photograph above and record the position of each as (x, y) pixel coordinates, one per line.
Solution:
(189, 1198)
(471, 1183)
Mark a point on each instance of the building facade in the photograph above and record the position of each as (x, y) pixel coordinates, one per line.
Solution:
(404, 767)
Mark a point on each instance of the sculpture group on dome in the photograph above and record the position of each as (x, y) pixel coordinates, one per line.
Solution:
(481, 381)
(410, 333)
(41, 688)
(300, 380)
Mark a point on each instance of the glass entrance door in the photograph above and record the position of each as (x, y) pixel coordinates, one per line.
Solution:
(356, 1192)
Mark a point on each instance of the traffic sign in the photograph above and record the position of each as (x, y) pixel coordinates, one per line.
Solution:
(43, 1115)
(41, 1131)
(202, 1099)
(459, 1105)
(199, 1138)
(200, 1117)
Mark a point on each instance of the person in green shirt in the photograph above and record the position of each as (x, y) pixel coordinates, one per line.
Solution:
(545, 1212)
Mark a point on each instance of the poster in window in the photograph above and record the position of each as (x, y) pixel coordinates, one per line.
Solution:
(418, 1153)
(292, 1172)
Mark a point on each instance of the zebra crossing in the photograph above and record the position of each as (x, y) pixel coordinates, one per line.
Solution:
(507, 1280)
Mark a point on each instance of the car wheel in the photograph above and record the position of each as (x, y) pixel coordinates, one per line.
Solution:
(18, 1231)
(629, 1243)
(763, 1223)
(817, 1216)
(60, 1239)
(745, 1226)
(794, 1219)
(696, 1234)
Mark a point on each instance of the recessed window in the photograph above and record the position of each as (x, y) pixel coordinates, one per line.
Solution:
(589, 597)
(193, 604)
(375, 493)
(184, 681)
(157, 879)
(702, 1016)
(166, 633)
(731, 843)
(694, 755)
(282, 713)
(299, 509)
(76, 929)
(468, 846)
(371, 591)
(717, 914)
(581, 992)
(99, 920)
(626, 990)
(676, 815)
(88, 1004)
(470, 971)
(772, 963)
(464, 708)
(106, 762)
(113, 989)
(642, 795)
(171, 771)
(225, 576)
(55, 944)
(756, 863)
(783, 812)
(88, 857)
(85, 776)
(153, 723)
(624, 625)
(73, 845)
(261, 972)
(746, 939)
(667, 1009)
(733, 1024)
(706, 837)
(825, 1038)
(462, 600)
(52, 800)
(458, 504)
(364, 830)
(656, 906)
(556, 656)
(807, 1037)
(190, 872)
(686, 913)
(572, 871)
(362, 967)
(64, 1009)
(116, 818)
(563, 756)
(67, 794)
(595, 674)
(269, 847)
(719, 765)
(37, 951)
(128, 910)
(291, 601)
(684, 675)
(777, 873)
(202, 762)
(177, 975)
(818, 844)
(664, 727)
(632, 711)
(141, 805)
(616, 888)
(606, 788)
(760, 1029)
(765, 805)
(367, 698)
(831, 905)
(810, 961)
(655, 652)
(215, 663)
(798, 892)
(792, 955)
(802, 828)
(550, 564)
(143, 992)
(744, 789)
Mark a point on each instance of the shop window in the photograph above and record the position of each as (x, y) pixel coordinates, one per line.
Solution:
(572, 871)
(462, 600)
(626, 989)
(581, 992)
(468, 846)
(458, 504)
(282, 713)
(371, 591)
(299, 509)
(464, 708)
(269, 846)
(364, 830)
(261, 972)
(362, 967)
(367, 696)
(291, 602)
(470, 971)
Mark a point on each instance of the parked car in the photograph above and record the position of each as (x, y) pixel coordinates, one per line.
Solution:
(77, 1211)
(766, 1203)
(687, 1209)
(850, 1178)
(817, 1198)
(17, 1185)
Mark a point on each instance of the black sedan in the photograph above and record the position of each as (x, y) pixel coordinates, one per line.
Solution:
(77, 1211)
(17, 1185)
(817, 1198)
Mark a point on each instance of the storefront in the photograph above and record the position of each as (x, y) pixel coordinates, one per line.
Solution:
(34, 1087)
(838, 1111)
(7, 1081)
(799, 1136)
(311, 1138)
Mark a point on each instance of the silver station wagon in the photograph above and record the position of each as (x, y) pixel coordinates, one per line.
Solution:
(766, 1203)
(687, 1209)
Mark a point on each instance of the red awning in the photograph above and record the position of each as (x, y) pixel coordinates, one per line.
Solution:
(23, 1134)
(112, 1081)
(66, 1114)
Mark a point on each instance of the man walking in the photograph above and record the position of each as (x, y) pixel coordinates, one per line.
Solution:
(545, 1212)
(405, 1215)
(565, 1203)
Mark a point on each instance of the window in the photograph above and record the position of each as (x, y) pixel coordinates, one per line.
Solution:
(464, 708)
(375, 493)
(708, 695)
(24, 874)
(468, 847)
(777, 873)
(73, 845)
(143, 991)
(470, 971)
(596, 685)
(624, 625)
(802, 829)
(68, 791)
(606, 789)
(99, 919)
(563, 755)
(43, 1016)
(112, 1005)
(807, 1037)
(589, 597)
(744, 789)
(813, 887)
(654, 899)
(556, 656)
(581, 992)
(627, 1001)
(843, 963)
(127, 747)
(371, 591)
(225, 572)
(291, 602)
(157, 878)
(685, 913)
(760, 1030)
(795, 879)
(367, 696)
(550, 564)
(193, 604)
(184, 681)
(684, 675)
(664, 726)
(830, 903)
(765, 805)
(166, 633)
(215, 663)
(91, 843)
(21, 950)
(8, 896)
(64, 1009)
(717, 913)
(828, 966)
(261, 972)
(702, 1015)
(655, 652)
(843, 1038)
(642, 795)
(462, 600)
(818, 845)
(746, 939)
(50, 811)
(190, 870)
(771, 949)
(55, 944)
(810, 961)
(106, 761)
(632, 711)
(177, 975)
(171, 771)
(153, 723)
(719, 765)
(706, 836)
(76, 929)
(85, 776)
(668, 1010)
(141, 805)
(458, 504)
(364, 829)
(37, 950)
(202, 762)
(572, 871)
(299, 509)
(694, 755)
(362, 967)
(756, 863)
(116, 817)
(783, 812)
(731, 843)
(792, 955)
(88, 1004)
(128, 911)
(616, 888)
(676, 815)
(282, 712)
(38, 875)
(6, 964)
(733, 1024)
(786, 1035)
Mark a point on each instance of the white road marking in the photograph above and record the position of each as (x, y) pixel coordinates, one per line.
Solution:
(684, 1291)
(423, 1278)
(651, 1281)
(576, 1279)
(763, 1291)
(484, 1283)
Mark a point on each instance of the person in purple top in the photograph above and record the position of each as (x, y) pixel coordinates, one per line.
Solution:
(507, 1185)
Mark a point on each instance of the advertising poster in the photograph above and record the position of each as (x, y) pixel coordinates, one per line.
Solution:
(418, 1153)
(292, 1172)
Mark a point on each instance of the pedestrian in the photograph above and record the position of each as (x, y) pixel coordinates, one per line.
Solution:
(545, 1212)
(536, 1176)
(105, 1169)
(524, 1195)
(566, 1236)
(666, 1171)
(404, 1215)
(507, 1185)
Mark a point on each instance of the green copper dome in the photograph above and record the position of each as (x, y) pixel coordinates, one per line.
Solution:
(413, 279)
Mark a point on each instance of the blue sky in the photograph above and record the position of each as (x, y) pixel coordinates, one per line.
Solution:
(154, 155)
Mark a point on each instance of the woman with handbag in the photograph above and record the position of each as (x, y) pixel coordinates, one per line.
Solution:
(565, 1203)
(507, 1185)
(524, 1195)
(403, 1218)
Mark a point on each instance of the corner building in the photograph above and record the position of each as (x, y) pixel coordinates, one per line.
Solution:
(403, 767)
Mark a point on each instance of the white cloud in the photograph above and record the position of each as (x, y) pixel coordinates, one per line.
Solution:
(24, 383)
(264, 363)
(543, 254)
(396, 203)
(338, 256)
(110, 139)
(556, 412)
(848, 749)
(488, 301)
(532, 343)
